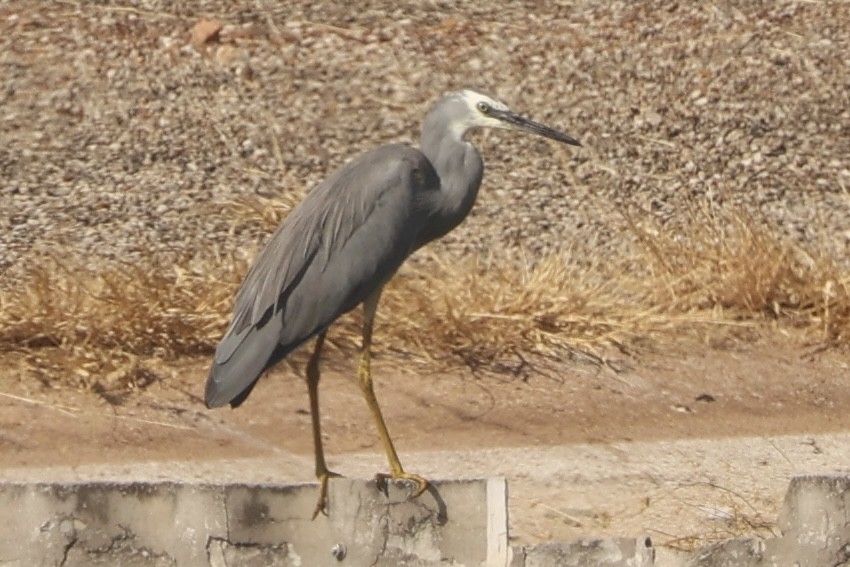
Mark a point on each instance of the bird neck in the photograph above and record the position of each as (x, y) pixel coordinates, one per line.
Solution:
(460, 169)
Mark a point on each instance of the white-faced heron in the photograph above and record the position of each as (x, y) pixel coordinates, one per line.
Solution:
(343, 242)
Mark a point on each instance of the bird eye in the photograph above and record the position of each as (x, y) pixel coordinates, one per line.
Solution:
(482, 106)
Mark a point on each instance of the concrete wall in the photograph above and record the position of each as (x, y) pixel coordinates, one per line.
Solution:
(195, 525)
(460, 524)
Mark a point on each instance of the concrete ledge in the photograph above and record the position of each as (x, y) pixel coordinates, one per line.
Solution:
(456, 523)
(610, 552)
(814, 524)
(189, 525)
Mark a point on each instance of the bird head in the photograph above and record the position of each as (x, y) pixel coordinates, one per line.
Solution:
(471, 109)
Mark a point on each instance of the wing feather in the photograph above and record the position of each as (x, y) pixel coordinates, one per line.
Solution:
(346, 238)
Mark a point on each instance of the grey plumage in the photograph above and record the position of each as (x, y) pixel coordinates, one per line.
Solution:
(344, 241)
(348, 236)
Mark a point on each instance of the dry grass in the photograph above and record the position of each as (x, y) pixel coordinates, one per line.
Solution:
(98, 326)
(735, 268)
(723, 270)
(726, 514)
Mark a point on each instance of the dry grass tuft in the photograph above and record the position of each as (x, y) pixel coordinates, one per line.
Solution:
(734, 267)
(726, 515)
(723, 270)
(97, 326)
(485, 310)
(162, 308)
(267, 212)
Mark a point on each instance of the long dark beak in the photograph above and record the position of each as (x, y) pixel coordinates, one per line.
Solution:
(521, 123)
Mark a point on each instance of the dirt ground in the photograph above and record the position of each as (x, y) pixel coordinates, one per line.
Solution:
(458, 424)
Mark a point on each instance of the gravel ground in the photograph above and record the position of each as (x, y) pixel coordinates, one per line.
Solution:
(119, 136)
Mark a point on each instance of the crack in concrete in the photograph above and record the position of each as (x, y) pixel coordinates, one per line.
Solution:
(125, 535)
(67, 550)
(384, 523)
(120, 544)
(226, 515)
(843, 556)
(384, 527)
(421, 517)
(208, 547)
(214, 538)
(281, 549)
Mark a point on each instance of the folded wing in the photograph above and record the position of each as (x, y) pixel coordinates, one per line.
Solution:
(347, 238)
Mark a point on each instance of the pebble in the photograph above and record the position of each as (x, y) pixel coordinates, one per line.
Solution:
(124, 127)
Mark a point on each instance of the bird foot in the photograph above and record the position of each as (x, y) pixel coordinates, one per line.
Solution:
(421, 484)
(322, 504)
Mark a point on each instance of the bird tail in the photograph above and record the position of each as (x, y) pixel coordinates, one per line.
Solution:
(239, 362)
(215, 396)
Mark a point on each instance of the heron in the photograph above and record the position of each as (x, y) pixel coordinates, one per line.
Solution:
(340, 246)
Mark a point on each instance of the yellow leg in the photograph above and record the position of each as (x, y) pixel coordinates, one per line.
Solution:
(322, 472)
(364, 373)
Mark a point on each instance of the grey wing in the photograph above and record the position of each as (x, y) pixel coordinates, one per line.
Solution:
(348, 236)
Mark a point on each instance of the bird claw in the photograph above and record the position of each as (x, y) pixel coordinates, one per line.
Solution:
(382, 480)
(322, 504)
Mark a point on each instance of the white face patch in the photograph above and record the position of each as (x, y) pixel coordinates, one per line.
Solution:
(472, 98)
(475, 118)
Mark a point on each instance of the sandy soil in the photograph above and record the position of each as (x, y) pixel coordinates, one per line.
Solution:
(684, 444)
